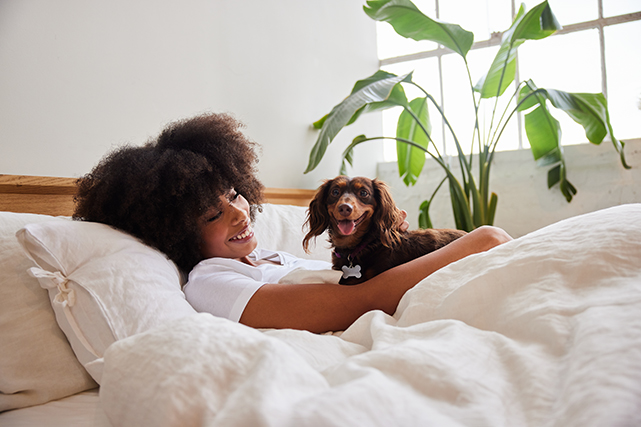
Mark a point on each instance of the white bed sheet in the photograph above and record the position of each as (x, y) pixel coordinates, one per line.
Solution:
(541, 331)
(80, 410)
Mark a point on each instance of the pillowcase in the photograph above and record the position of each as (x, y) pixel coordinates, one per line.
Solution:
(37, 363)
(104, 285)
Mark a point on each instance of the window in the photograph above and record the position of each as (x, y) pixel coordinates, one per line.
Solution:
(596, 51)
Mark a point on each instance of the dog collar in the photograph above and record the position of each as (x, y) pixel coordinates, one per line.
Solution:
(354, 253)
(352, 270)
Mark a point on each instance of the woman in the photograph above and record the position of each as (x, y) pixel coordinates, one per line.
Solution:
(192, 193)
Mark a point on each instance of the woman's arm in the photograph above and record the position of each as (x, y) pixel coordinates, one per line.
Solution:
(329, 307)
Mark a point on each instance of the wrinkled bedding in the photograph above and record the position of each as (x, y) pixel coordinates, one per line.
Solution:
(542, 331)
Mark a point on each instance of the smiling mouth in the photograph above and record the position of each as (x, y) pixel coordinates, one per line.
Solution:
(246, 234)
(348, 226)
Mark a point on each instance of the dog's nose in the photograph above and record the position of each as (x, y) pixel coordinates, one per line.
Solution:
(344, 209)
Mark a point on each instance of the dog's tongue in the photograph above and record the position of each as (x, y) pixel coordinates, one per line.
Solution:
(346, 227)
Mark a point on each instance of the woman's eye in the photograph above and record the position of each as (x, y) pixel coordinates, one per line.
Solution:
(214, 217)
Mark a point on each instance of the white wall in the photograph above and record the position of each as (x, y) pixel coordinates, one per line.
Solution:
(525, 203)
(79, 77)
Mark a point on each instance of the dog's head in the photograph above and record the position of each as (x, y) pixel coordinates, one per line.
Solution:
(352, 208)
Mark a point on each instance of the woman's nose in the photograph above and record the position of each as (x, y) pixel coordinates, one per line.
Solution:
(239, 213)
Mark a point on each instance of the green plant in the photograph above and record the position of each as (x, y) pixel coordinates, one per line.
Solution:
(473, 204)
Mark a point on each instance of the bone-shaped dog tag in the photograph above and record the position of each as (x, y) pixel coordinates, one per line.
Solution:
(351, 271)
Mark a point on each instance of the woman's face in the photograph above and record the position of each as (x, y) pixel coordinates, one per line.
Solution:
(226, 230)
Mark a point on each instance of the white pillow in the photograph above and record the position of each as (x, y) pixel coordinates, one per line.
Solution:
(104, 284)
(36, 362)
(280, 227)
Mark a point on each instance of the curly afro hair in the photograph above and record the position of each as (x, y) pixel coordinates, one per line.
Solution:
(157, 192)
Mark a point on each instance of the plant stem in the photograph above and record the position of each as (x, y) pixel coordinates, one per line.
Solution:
(438, 159)
(494, 140)
(455, 186)
(498, 90)
(536, 92)
(477, 128)
(438, 187)
(465, 166)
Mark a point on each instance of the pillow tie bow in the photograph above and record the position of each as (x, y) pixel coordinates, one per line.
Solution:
(65, 297)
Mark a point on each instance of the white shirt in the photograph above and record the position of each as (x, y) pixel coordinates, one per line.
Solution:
(224, 286)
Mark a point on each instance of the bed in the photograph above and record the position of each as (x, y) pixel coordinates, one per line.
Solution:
(542, 331)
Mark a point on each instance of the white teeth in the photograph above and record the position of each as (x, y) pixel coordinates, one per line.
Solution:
(242, 235)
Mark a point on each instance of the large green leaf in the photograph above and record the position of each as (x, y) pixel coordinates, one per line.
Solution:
(411, 159)
(409, 22)
(544, 133)
(348, 155)
(542, 129)
(424, 220)
(558, 174)
(501, 73)
(396, 98)
(590, 110)
(587, 109)
(536, 24)
(374, 92)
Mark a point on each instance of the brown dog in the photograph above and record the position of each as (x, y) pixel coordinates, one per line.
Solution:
(364, 228)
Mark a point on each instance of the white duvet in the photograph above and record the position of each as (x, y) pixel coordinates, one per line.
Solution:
(542, 331)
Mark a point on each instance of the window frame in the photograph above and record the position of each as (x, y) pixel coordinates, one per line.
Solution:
(599, 24)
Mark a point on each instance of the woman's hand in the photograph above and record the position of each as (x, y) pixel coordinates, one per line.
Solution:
(404, 225)
(486, 237)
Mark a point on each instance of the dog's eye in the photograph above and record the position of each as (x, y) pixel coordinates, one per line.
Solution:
(364, 193)
(335, 192)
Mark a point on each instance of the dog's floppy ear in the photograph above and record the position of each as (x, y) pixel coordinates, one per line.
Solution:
(317, 215)
(387, 216)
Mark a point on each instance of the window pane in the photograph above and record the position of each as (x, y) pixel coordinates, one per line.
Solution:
(569, 62)
(623, 63)
(619, 7)
(482, 17)
(459, 108)
(390, 44)
(457, 103)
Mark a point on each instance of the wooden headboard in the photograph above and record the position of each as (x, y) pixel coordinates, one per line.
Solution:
(54, 196)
